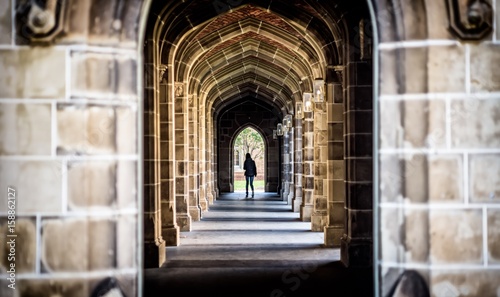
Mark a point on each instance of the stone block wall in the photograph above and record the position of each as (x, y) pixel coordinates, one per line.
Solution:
(439, 154)
(69, 146)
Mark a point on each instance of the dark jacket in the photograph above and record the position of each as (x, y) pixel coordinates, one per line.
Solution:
(250, 168)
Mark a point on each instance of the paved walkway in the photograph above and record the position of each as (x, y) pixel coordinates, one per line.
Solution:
(253, 247)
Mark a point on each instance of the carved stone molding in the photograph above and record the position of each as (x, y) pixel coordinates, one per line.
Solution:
(163, 73)
(179, 89)
(470, 19)
(40, 21)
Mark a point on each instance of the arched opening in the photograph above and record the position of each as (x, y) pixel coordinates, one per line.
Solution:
(249, 141)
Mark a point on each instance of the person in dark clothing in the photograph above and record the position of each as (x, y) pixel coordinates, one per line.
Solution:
(250, 172)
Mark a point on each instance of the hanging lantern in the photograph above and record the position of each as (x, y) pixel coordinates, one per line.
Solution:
(319, 90)
(299, 112)
(307, 99)
(279, 129)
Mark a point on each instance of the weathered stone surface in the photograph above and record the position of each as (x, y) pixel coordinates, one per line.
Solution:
(391, 241)
(25, 246)
(445, 178)
(494, 236)
(65, 245)
(25, 129)
(484, 78)
(6, 22)
(391, 178)
(446, 68)
(415, 178)
(53, 287)
(126, 184)
(465, 282)
(456, 236)
(407, 63)
(474, 123)
(96, 126)
(29, 73)
(416, 236)
(77, 245)
(437, 20)
(484, 180)
(96, 74)
(91, 184)
(37, 182)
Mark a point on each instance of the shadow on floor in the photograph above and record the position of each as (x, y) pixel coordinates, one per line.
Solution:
(244, 248)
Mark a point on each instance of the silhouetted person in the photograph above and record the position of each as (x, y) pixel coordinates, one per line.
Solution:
(250, 172)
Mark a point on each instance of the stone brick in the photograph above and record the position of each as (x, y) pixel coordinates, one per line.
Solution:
(483, 77)
(102, 252)
(494, 235)
(65, 245)
(391, 178)
(474, 123)
(29, 73)
(391, 241)
(424, 124)
(97, 126)
(53, 287)
(408, 62)
(38, 185)
(126, 242)
(465, 283)
(126, 122)
(391, 126)
(437, 20)
(443, 61)
(445, 178)
(96, 74)
(484, 182)
(78, 245)
(415, 178)
(416, 236)
(25, 129)
(91, 184)
(456, 236)
(126, 184)
(25, 248)
(6, 22)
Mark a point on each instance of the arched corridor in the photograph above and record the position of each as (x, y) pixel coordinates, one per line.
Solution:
(380, 120)
(254, 247)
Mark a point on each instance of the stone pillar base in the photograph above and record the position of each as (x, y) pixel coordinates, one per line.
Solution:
(211, 198)
(356, 252)
(170, 236)
(296, 204)
(154, 254)
(318, 222)
(306, 213)
(184, 222)
(195, 213)
(333, 235)
(204, 204)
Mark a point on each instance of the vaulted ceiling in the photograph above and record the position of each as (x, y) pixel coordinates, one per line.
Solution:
(267, 50)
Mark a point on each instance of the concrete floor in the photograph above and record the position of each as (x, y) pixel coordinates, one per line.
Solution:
(254, 247)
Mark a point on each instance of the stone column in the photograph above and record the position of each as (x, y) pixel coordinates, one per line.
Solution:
(307, 206)
(356, 246)
(285, 154)
(291, 159)
(335, 176)
(299, 169)
(169, 228)
(154, 244)
(319, 216)
(202, 155)
(181, 157)
(194, 199)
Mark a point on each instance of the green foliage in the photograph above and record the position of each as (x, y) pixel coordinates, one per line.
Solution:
(250, 141)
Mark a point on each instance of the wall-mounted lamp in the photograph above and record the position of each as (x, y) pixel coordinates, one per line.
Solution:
(287, 121)
(299, 112)
(279, 129)
(319, 90)
(307, 99)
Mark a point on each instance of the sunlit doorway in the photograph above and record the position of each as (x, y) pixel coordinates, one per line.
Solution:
(249, 141)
